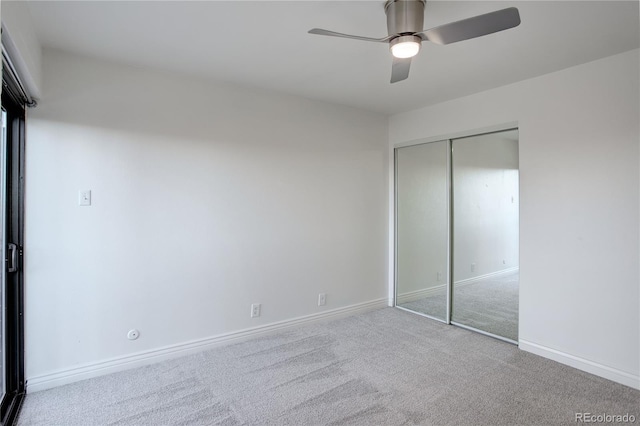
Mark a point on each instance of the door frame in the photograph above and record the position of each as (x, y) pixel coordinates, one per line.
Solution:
(14, 233)
(393, 222)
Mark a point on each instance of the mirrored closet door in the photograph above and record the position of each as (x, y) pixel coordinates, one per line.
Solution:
(485, 233)
(422, 238)
(457, 221)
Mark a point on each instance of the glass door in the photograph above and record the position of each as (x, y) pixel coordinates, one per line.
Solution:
(11, 239)
(3, 275)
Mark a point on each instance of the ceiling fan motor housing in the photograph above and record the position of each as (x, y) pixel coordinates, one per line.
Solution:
(404, 16)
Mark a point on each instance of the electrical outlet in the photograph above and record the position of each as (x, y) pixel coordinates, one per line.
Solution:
(473, 267)
(255, 310)
(439, 276)
(322, 299)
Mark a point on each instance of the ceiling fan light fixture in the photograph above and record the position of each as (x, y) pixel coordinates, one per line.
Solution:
(405, 19)
(405, 46)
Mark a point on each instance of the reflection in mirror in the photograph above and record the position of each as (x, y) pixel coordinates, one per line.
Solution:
(485, 233)
(422, 229)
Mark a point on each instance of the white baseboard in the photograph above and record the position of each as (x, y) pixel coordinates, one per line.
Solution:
(113, 365)
(610, 373)
(419, 294)
(497, 274)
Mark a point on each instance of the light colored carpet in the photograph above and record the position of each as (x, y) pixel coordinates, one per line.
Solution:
(385, 367)
(489, 305)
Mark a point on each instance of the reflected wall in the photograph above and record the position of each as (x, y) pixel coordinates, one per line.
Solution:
(422, 228)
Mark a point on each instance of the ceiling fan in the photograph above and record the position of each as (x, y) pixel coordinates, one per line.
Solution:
(404, 25)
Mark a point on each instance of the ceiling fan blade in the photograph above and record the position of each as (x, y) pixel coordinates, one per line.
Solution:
(320, 31)
(400, 69)
(477, 26)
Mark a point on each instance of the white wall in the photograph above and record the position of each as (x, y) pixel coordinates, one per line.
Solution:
(22, 43)
(486, 207)
(206, 198)
(579, 206)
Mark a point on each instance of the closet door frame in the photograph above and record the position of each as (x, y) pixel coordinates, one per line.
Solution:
(394, 222)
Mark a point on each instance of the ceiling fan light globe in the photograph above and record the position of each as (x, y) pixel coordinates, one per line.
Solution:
(408, 49)
(405, 46)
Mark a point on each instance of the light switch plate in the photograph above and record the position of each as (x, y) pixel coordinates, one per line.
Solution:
(84, 197)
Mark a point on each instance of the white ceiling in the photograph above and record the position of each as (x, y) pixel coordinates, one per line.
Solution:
(265, 44)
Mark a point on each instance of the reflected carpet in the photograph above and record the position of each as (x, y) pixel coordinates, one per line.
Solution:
(489, 305)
